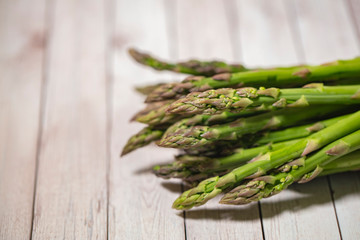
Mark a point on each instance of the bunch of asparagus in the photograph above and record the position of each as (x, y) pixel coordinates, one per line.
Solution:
(250, 133)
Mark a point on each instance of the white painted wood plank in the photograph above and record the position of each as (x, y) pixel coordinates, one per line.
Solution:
(71, 188)
(267, 40)
(204, 32)
(265, 34)
(299, 213)
(353, 7)
(326, 36)
(346, 188)
(22, 42)
(200, 25)
(140, 205)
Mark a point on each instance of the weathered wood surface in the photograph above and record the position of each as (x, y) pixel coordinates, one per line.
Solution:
(140, 204)
(22, 44)
(66, 96)
(71, 187)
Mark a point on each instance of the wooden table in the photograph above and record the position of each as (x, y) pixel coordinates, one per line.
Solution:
(66, 97)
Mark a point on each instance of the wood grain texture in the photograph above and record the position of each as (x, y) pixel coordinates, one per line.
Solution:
(353, 8)
(327, 36)
(22, 44)
(265, 34)
(140, 203)
(346, 188)
(202, 35)
(203, 30)
(299, 213)
(71, 188)
(267, 40)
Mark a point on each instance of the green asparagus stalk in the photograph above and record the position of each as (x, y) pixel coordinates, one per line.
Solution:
(211, 187)
(151, 134)
(182, 136)
(147, 89)
(296, 132)
(236, 100)
(283, 77)
(161, 122)
(193, 67)
(141, 139)
(186, 164)
(197, 167)
(155, 114)
(224, 148)
(302, 171)
(349, 162)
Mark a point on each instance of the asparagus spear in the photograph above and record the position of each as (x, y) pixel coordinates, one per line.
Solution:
(189, 165)
(296, 132)
(141, 139)
(155, 116)
(349, 162)
(283, 77)
(228, 99)
(307, 170)
(181, 136)
(211, 187)
(224, 148)
(147, 89)
(193, 67)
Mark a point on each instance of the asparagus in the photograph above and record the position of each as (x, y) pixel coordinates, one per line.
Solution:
(349, 162)
(296, 132)
(186, 165)
(147, 89)
(283, 77)
(193, 67)
(211, 187)
(302, 171)
(141, 139)
(182, 136)
(155, 114)
(235, 100)
(161, 122)
(224, 148)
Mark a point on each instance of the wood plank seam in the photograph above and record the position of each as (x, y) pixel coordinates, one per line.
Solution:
(261, 219)
(49, 20)
(110, 28)
(333, 204)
